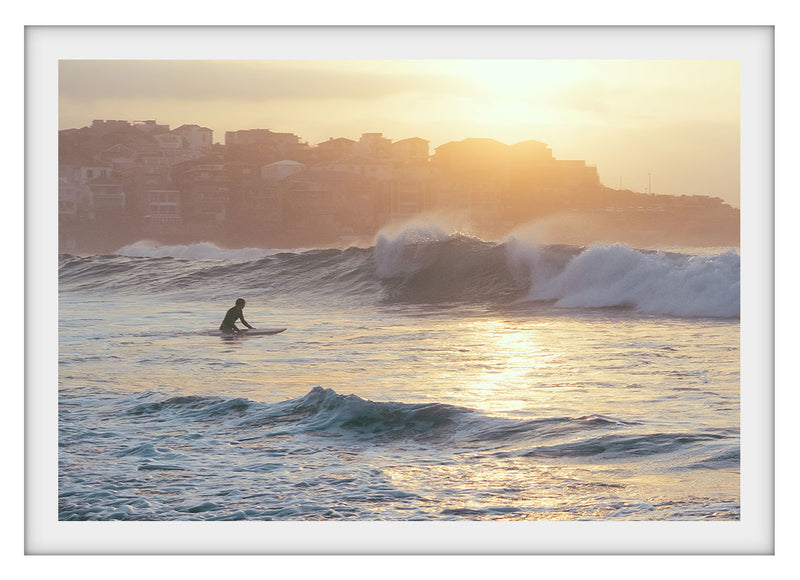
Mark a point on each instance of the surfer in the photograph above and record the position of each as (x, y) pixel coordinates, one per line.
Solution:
(228, 325)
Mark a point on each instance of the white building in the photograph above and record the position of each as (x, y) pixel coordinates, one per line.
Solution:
(195, 136)
(163, 207)
(119, 157)
(87, 173)
(169, 141)
(107, 195)
(280, 170)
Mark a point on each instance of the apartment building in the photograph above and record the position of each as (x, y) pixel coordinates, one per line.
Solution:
(195, 137)
(335, 149)
(374, 146)
(410, 151)
(205, 193)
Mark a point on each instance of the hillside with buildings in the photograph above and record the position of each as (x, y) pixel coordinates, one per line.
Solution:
(124, 181)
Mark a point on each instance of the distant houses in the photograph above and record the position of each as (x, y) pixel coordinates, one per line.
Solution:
(338, 148)
(120, 181)
(195, 137)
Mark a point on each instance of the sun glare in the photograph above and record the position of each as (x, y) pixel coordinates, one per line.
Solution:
(515, 79)
(509, 356)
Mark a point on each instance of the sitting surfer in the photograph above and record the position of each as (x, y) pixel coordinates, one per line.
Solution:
(228, 325)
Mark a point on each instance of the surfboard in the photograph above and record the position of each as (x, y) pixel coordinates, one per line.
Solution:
(254, 332)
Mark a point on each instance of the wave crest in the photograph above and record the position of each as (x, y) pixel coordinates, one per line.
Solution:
(323, 412)
(426, 265)
(198, 251)
(650, 282)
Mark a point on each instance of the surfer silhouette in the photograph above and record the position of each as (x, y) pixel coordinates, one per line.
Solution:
(228, 325)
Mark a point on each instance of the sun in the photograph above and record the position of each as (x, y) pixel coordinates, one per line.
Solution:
(517, 79)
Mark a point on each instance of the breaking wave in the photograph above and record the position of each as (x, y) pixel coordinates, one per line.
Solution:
(619, 276)
(427, 265)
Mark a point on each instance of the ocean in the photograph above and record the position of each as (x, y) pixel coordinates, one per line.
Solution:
(428, 375)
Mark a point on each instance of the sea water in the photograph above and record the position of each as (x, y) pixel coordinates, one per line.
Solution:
(429, 376)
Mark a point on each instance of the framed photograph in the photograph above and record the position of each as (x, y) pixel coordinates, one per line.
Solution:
(400, 290)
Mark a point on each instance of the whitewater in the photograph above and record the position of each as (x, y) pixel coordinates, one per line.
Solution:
(428, 376)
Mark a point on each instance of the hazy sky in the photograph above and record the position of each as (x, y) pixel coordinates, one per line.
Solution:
(675, 120)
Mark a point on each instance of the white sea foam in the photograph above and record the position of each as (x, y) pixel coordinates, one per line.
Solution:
(651, 282)
(200, 251)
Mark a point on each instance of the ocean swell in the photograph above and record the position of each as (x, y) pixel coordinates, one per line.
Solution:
(351, 420)
(426, 265)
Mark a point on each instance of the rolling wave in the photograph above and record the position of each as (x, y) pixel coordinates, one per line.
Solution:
(426, 265)
(349, 418)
